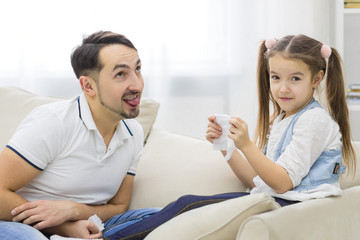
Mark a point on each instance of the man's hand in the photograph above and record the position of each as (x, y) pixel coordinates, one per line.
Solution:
(44, 213)
(77, 229)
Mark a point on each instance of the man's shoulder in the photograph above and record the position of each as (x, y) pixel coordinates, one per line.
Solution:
(60, 109)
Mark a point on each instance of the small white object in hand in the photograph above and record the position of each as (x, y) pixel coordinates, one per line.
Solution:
(224, 143)
(97, 221)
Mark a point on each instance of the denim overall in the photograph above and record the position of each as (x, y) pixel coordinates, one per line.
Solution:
(326, 169)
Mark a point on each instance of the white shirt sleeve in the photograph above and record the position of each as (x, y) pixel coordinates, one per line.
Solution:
(314, 132)
(38, 138)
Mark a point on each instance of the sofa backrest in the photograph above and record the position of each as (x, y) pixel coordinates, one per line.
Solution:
(348, 180)
(16, 103)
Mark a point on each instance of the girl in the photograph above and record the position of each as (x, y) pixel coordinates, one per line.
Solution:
(303, 145)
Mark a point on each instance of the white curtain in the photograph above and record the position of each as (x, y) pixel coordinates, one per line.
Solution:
(199, 57)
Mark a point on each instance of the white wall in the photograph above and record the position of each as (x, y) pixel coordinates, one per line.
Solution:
(199, 57)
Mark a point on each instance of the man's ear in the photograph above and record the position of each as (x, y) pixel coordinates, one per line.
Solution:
(88, 85)
(317, 78)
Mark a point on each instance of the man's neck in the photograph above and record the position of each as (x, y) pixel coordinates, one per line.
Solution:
(105, 121)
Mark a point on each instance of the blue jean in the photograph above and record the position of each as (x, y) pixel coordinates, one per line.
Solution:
(19, 231)
(124, 220)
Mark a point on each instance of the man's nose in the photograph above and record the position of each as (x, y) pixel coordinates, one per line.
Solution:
(137, 83)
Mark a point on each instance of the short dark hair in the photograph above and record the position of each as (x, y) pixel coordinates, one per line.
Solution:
(85, 58)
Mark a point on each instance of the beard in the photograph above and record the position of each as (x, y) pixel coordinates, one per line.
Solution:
(132, 114)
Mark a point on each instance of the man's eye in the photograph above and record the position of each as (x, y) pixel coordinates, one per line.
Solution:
(138, 68)
(295, 78)
(120, 74)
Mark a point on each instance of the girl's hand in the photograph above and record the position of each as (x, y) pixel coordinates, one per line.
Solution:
(239, 132)
(213, 130)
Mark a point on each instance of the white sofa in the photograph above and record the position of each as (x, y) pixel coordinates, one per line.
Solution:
(174, 165)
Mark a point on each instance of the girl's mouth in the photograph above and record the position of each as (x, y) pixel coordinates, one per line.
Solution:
(285, 98)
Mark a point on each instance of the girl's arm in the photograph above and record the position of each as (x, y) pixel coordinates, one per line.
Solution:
(242, 169)
(272, 174)
(240, 166)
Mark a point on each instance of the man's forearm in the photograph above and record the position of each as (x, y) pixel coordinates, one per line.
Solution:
(104, 212)
(8, 201)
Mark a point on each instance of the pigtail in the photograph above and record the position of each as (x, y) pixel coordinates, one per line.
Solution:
(263, 83)
(335, 93)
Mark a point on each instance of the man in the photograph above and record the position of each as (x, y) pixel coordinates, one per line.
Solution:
(72, 159)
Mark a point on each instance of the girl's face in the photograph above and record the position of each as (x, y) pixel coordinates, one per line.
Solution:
(291, 83)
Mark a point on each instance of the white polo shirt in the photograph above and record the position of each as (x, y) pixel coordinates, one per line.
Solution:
(61, 140)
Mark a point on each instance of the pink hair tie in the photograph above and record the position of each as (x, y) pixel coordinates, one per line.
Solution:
(269, 43)
(325, 51)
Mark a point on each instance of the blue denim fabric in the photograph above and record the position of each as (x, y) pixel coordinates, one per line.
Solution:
(19, 231)
(121, 221)
(322, 170)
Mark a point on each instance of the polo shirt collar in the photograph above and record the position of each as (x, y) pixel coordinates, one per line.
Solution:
(85, 112)
(122, 129)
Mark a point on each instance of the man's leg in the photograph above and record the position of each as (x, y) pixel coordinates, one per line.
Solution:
(19, 231)
(121, 221)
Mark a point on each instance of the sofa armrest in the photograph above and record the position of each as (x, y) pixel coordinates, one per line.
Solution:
(326, 218)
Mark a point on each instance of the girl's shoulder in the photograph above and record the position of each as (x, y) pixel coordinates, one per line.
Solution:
(317, 121)
(317, 115)
(318, 125)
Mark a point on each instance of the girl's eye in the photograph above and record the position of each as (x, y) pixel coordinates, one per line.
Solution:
(295, 78)
(275, 77)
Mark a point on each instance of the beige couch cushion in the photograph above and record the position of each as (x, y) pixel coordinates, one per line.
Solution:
(173, 165)
(330, 218)
(16, 103)
(215, 221)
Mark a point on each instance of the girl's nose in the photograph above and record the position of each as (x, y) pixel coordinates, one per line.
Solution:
(284, 87)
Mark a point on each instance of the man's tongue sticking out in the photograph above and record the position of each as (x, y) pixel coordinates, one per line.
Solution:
(132, 101)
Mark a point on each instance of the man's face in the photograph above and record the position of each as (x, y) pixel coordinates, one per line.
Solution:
(120, 83)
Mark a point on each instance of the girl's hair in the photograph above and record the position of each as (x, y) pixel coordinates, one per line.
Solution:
(307, 50)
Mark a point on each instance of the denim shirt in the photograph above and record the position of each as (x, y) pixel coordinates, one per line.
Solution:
(326, 169)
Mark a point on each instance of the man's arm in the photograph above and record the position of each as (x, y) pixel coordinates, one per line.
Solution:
(118, 204)
(14, 173)
(77, 227)
(45, 214)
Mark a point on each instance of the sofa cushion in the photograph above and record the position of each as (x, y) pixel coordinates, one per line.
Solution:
(16, 103)
(173, 165)
(215, 221)
(329, 218)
